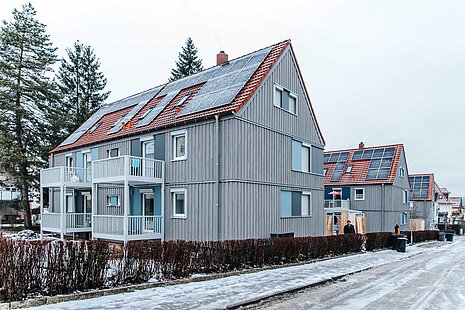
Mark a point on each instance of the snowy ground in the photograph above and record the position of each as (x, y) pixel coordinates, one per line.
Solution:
(433, 280)
(224, 292)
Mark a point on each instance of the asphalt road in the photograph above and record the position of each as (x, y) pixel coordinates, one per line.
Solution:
(432, 280)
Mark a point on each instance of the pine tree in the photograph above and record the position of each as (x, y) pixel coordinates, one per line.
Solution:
(81, 87)
(26, 90)
(188, 62)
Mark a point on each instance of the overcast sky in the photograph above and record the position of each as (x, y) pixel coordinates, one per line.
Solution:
(380, 72)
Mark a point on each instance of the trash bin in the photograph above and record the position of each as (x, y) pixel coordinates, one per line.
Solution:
(449, 237)
(441, 236)
(399, 242)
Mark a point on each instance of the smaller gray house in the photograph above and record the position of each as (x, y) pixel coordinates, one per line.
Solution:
(423, 197)
(373, 180)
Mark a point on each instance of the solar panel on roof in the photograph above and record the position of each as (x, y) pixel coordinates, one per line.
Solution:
(110, 108)
(380, 164)
(326, 157)
(225, 83)
(341, 159)
(357, 155)
(420, 185)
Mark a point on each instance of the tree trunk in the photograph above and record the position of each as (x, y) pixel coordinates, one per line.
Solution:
(25, 206)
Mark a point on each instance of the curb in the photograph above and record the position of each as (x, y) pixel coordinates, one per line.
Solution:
(255, 300)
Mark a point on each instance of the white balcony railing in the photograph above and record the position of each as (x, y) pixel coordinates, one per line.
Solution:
(51, 220)
(78, 220)
(128, 166)
(68, 175)
(108, 224)
(137, 225)
(337, 203)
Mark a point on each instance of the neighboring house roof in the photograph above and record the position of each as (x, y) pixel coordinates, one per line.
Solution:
(219, 90)
(422, 186)
(441, 195)
(362, 168)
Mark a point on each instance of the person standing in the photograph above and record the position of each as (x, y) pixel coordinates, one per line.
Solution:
(397, 229)
(349, 228)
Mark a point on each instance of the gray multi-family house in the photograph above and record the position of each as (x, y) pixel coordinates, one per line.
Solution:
(231, 152)
(373, 180)
(423, 197)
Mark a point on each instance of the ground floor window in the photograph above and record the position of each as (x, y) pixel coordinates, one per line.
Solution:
(295, 204)
(179, 202)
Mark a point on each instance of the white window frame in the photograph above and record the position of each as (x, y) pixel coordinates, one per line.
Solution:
(109, 201)
(355, 193)
(280, 88)
(109, 152)
(325, 170)
(175, 191)
(309, 194)
(309, 147)
(174, 135)
(349, 169)
(401, 172)
(404, 198)
(72, 206)
(69, 159)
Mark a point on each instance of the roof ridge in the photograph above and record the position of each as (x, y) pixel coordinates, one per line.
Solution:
(365, 148)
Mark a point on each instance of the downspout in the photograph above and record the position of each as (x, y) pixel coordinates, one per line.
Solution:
(383, 204)
(217, 174)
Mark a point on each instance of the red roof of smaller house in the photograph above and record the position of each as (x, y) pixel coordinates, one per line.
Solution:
(360, 168)
(431, 186)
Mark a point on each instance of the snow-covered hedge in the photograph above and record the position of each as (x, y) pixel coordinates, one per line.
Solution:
(34, 268)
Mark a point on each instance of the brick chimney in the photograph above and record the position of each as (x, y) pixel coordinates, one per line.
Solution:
(361, 146)
(221, 58)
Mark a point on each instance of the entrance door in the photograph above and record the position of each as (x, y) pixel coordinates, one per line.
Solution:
(69, 202)
(147, 209)
(148, 152)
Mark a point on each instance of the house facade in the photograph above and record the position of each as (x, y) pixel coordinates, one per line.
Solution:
(231, 152)
(457, 210)
(422, 195)
(441, 197)
(373, 180)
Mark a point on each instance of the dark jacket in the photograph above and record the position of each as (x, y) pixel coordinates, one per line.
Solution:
(349, 229)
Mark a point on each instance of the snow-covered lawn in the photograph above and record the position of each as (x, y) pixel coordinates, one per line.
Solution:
(220, 293)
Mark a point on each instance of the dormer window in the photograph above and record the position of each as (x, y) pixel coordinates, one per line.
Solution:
(183, 99)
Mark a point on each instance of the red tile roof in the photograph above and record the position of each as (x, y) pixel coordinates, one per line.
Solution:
(431, 187)
(167, 117)
(360, 168)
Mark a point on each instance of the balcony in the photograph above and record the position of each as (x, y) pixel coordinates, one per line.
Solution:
(131, 168)
(337, 203)
(66, 176)
(9, 195)
(74, 222)
(136, 227)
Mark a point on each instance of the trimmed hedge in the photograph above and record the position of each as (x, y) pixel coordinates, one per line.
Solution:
(34, 268)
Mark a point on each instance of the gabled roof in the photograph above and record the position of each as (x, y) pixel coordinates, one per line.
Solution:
(123, 118)
(418, 187)
(360, 167)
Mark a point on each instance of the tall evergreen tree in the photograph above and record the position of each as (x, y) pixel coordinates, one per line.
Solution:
(81, 87)
(188, 63)
(26, 89)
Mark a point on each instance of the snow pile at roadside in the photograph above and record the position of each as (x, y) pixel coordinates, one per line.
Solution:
(220, 293)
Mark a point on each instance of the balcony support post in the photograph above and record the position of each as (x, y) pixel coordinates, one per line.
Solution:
(62, 211)
(126, 199)
(162, 196)
(41, 209)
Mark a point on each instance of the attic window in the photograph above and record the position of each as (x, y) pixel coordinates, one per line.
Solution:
(349, 169)
(95, 127)
(146, 113)
(183, 99)
(285, 99)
